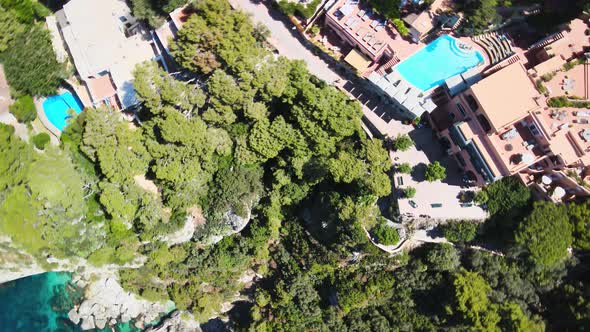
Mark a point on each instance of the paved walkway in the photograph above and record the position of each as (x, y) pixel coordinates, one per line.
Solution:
(5, 99)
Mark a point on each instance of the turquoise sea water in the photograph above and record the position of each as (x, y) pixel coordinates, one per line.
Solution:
(56, 108)
(40, 303)
(437, 61)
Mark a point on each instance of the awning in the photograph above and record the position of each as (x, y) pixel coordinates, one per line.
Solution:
(357, 60)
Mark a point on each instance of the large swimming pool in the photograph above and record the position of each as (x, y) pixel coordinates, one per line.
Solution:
(437, 61)
(56, 108)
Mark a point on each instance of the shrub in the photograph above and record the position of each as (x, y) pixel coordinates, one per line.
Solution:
(563, 101)
(541, 87)
(24, 109)
(315, 30)
(461, 231)
(292, 8)
(409, 192)
(40, 140)
(402, 143)
(385, 235)
(569, 65)
(547, 77)
(466, 196)
(404, 168)
(481, 197)
(401, 27)
(435, 171)
(506, 197)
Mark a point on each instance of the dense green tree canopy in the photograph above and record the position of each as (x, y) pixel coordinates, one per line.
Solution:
(546, 233)
(24, 109)
(40, 74)
(579, 215)
(435, 172)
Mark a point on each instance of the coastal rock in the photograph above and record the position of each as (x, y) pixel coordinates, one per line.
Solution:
(73, 316)
(100, 323)
(81, 283)
(85, 308)
(88, 323)
(125, 318)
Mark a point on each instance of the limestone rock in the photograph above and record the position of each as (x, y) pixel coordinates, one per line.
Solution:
(125, 318)
(73, 316)
(100, 323)
(88, 323)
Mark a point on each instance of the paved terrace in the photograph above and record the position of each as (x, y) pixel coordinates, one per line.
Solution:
(574, 82)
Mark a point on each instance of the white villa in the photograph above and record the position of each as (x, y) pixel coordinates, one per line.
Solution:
(104, 42)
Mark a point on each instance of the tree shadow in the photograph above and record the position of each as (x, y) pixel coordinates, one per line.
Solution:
(426, 141)
(418, 172)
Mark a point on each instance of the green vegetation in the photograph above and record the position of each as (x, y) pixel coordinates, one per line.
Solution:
(480, 15)
(290, 8)
(435, 172)
(154, 12)
(402, 143)
(546, 234)
(41, 140)
(564, 101)
(256, 144)
(35, 212)
(460, 231)
(401, 27)
(409, 192)
(404, 168)
(24, 38)
(388, 8)
(579, 215)
(24, 109)
(541, 86)
(385, 234)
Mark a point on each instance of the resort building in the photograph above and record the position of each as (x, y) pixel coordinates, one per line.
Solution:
(552, 53)
(407, 99)
(500, 126)
(368, 35)
(105, 43)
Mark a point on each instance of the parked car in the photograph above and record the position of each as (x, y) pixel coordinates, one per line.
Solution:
(413, 204)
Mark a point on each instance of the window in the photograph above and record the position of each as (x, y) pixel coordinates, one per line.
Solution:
(472, 103)
(460, 160)
(534, 130)
(461, 109)
(154, 49)
(485, 124)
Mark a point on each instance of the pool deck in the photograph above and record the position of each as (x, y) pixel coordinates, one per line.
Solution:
(41, 114)
(476, 49)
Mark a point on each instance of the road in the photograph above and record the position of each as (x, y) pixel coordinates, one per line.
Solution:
(285, 38)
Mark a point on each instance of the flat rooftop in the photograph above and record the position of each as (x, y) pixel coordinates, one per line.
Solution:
(506, 96)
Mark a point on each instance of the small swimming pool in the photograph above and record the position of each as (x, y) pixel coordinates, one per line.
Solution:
(437, 61)
(56, 108)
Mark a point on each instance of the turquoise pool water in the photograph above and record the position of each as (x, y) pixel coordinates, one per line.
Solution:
(40, 303)
(56, 108)
(437, 61)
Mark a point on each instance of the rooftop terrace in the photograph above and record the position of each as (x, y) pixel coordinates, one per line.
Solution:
(368, 29)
